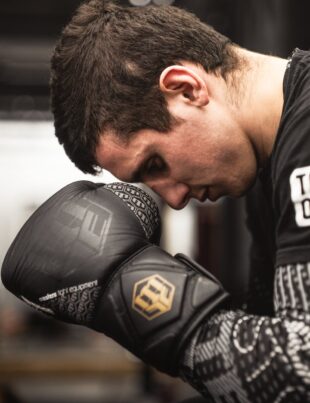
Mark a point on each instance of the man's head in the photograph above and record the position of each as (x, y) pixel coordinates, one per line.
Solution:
(206, 154)
(107, 66)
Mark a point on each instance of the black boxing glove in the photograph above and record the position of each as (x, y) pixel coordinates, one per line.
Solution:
(89, 255)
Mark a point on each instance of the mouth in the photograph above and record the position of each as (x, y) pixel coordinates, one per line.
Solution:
(203, 195)
(208, 194)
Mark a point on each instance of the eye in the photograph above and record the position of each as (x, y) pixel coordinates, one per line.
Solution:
(154, 166)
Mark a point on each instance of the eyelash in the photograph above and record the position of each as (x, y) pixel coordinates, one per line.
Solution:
(154, 165)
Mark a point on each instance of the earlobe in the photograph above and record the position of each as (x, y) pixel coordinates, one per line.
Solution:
(183, 81)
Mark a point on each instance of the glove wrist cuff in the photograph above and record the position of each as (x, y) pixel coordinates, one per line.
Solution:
(155, 303)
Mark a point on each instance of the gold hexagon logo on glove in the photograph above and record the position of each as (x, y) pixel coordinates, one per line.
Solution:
(153, 296)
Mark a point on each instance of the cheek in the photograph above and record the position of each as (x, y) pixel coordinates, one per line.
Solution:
(232, 149)
(228, 157)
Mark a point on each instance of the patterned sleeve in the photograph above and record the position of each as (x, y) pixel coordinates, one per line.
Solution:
(236, 357)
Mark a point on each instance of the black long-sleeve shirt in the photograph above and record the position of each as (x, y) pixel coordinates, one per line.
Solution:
(237, 357)
(263, 354)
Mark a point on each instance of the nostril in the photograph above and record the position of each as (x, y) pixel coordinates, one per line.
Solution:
(175, 194)
(179, 204)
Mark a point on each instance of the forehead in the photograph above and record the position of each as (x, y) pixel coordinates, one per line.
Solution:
(122, 157)
(112, 153)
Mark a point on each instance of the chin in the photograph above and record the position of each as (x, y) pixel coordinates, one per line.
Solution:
(238, 193)
(246, 188)
(233, 190)
(214, 195)
(213, 198)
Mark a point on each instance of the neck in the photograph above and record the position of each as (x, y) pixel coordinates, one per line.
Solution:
(260, 100)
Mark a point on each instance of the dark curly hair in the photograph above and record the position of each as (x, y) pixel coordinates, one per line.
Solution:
(106, 66)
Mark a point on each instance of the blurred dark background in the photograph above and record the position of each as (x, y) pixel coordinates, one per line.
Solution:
(28, 30)
(40, 360)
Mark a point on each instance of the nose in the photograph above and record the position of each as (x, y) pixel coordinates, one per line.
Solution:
(175, 194)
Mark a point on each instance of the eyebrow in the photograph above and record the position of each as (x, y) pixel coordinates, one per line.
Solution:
(136, 174)
(135, 177)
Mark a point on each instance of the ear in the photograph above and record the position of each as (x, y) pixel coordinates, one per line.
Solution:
(180, 80)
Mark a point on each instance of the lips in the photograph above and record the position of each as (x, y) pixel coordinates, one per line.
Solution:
(202, 195)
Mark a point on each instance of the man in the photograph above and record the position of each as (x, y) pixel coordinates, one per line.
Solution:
(156, 96)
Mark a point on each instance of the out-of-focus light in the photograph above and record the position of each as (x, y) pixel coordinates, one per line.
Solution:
(139, 3)
(163, 2)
